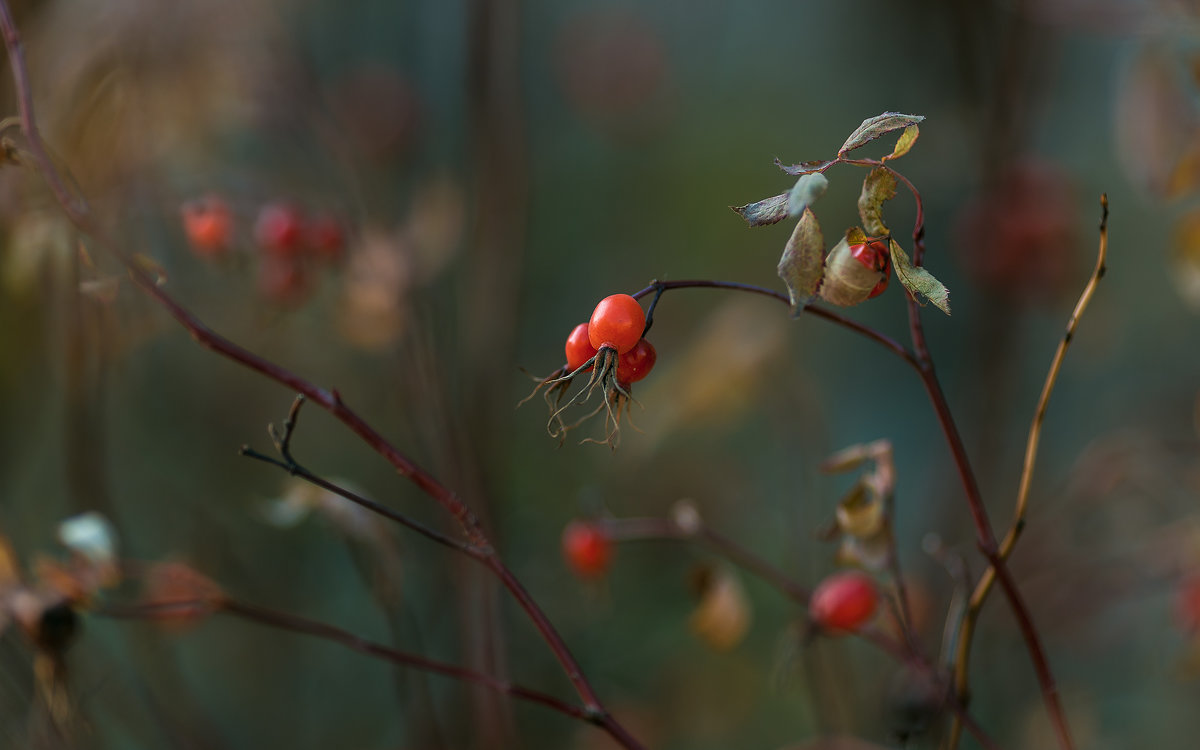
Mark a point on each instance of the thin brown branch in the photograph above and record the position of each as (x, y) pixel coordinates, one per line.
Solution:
(633, 529)
(296, 624)
(985, 535)
(820, 312)
(984, 586)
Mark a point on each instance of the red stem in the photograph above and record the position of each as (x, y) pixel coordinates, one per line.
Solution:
(985, 535)
(887, 342)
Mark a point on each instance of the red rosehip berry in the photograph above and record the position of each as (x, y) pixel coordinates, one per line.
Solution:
(587, 549)
(579, 348)
(208, 224)
(877, 257)
(843, 602)
(279, 229)
(324, 236)
(636, 363)
(282, 281)
(1187, 604)
(617, 322)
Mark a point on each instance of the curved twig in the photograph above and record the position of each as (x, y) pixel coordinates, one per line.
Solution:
(984, 586)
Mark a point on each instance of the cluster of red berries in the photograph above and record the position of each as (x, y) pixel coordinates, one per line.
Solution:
(617, 323)
(610, 349)
(289, 242)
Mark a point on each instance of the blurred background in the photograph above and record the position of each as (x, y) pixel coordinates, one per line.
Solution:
(467, 180)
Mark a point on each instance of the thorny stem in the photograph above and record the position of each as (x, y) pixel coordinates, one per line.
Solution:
(647, 529)
(330, 400)
(295, 624)
(984, 586)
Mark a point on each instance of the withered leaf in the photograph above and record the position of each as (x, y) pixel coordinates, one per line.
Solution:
(803, 261)
(765, 212)
(873, 127)
(878, 186)
(919, 281)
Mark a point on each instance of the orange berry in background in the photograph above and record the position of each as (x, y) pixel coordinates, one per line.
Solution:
(208, 224)
(279, 229)
(324, 237)
(587, 549)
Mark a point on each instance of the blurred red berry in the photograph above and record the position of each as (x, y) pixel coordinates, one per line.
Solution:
(282, 281)
(279, 229)
(208, 224)
(1187, 604)
(613, 70)
(1017, 238)
(587, 549)
(843, 602)
(325, 237)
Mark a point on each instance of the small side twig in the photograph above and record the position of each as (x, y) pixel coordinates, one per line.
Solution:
(283, 438)
(291, 467)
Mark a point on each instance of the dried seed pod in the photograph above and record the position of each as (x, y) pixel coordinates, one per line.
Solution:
(848, 279)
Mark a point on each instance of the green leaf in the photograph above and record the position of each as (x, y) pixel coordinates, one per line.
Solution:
(768, 211)
(808, 189)
(803, 261)
(905, 142)
(873, 127)
(919, 281)
(878, 186)
(806, 167)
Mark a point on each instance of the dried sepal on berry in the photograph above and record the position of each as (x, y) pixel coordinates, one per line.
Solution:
(853, 276)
